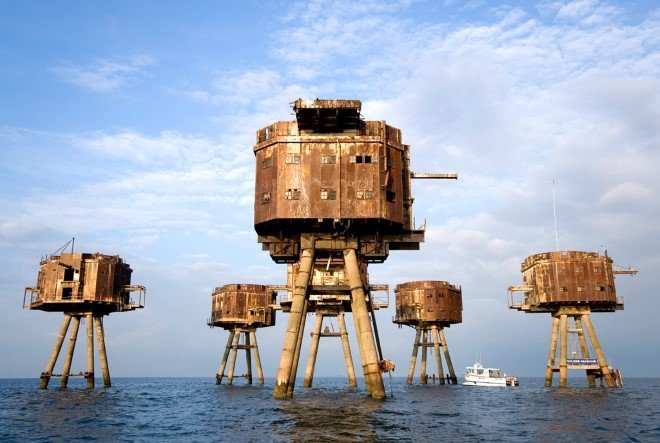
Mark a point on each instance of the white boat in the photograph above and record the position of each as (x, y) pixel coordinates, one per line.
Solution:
(477, 375)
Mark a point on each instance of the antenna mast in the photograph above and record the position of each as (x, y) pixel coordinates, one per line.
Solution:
(554, 213)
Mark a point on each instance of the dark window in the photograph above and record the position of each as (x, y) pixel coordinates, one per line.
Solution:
(367, 159)
(68, 274)
(292, 194)
(292, 158)
(328, 194)
(358, 159)
(66, 293)
(390, 196)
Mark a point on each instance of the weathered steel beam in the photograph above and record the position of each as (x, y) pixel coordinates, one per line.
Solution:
(293, 326)
(372, 375)
(45, 376)
(103, 356)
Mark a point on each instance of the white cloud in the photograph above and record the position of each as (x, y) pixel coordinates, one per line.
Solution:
(105, 75)
(627, 195)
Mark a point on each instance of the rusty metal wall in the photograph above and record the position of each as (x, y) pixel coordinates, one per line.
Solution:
(82, 278)
(434, 302)
(569, 277)
(248, 305)
(358, 175)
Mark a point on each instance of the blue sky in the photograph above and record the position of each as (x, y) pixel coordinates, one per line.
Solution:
(130, 126)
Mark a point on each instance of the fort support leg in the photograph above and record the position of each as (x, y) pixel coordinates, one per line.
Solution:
(438, 360)
(103, 356)
(221, 371)
(257, 358)
(296, 355)
(45, 376)
(372, 376)
(313, 350)
(293, 326)
(604, 367)
(425, 338)
(553, 351)
(563, 350)
(69, 352)
(445, 348)
(89, 324)
(413, 358)
(248, 357)
(585, 349)
(350, 370)
(232, 357)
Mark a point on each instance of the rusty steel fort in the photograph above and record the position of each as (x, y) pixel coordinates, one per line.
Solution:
(333, 196)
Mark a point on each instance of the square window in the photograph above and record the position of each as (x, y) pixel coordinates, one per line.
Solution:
(359, 194)
(367, 159)
(368, 194)
(265, 197)
(358, 159)
(390, 196)
(267, 162)
(328, 159)
(292, 158)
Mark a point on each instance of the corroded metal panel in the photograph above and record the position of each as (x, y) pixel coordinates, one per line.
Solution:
(569, 277)
(246, 305)
(341, 170)
(428, 302)
(79, 282)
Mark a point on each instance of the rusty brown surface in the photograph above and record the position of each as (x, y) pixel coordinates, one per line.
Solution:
(569, 278)
(81, 282)
(305, 178)
(242, 305)
(428, 302)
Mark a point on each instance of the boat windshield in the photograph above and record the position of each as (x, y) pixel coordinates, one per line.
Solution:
(494, 373)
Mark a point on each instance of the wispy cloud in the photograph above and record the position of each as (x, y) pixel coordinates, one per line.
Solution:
(105, 75)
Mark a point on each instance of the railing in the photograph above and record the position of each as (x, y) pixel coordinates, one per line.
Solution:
(77, 296)
(517, 302)
(380, 295)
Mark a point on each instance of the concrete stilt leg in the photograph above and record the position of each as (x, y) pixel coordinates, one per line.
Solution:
(223, 365)
(296, 355)
(553, 351)
(350, 370)
(438, 360)
(372, 376)
(69, 352)
(425, 338)
(232, 357)
(89, 323)
(445, 348)
(563, 350)
(103, 356)
(313, 350)
(413, 358)
(248, 357)
(45, 376)
(584, 349)
(293, 326)
(604, 367)
(257, 358)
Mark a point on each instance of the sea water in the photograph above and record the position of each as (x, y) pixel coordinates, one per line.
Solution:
(196, 409)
